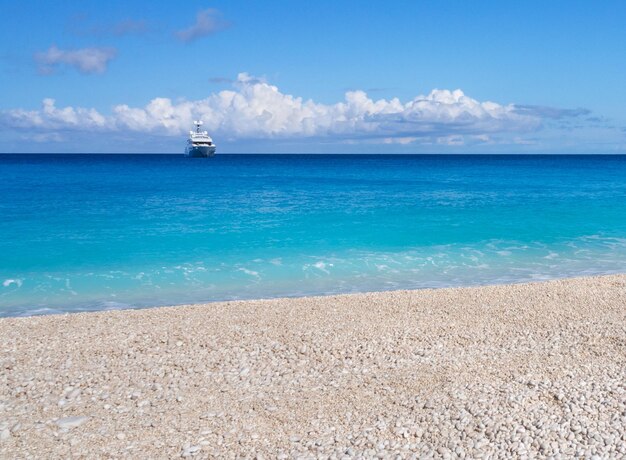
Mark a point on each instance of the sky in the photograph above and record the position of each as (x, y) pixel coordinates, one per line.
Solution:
(314, 77)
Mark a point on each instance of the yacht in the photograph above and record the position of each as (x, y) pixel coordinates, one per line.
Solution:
(199, 144)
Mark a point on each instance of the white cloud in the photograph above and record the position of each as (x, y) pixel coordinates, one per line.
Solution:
(255, 109)
(207, 22)
(86, 60)
(399, 140)
(451, 140)
(51, 118)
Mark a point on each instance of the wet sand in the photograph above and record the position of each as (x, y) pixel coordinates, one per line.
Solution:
(517, 370)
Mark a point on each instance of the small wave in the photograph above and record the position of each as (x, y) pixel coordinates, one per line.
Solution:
(9, 282)
(111, 305)
(321, 266)
(39, 312)
(249, 272)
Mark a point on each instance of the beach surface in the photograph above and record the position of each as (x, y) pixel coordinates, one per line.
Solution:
(526, 370)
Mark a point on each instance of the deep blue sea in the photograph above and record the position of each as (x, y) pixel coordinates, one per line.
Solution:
(97, 232)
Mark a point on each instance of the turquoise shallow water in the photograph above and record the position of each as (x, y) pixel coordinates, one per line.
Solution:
(94, 232)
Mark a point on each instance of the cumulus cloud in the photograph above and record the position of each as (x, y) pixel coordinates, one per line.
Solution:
(51, 118)
(207, 22)
(256, 109)
(85, 60)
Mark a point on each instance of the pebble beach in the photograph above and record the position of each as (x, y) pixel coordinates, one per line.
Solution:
(525, 371)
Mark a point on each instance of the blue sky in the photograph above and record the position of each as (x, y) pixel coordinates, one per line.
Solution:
(324, 76)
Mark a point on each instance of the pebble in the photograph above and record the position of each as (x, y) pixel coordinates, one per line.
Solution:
(68, 423)
(190, 451)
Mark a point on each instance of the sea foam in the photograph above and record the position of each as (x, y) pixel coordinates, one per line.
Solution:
(10, 282)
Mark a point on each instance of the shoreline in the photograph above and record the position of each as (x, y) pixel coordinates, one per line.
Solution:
(518, 369)
(85, 310)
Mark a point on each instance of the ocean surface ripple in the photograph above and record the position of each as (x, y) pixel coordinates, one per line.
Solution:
(97, 232)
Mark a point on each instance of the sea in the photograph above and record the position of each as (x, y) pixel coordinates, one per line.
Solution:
(103, 232)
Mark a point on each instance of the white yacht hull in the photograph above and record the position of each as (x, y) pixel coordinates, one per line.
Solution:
(200, 151)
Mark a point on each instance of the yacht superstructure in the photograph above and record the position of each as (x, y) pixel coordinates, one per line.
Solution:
(199, 144)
